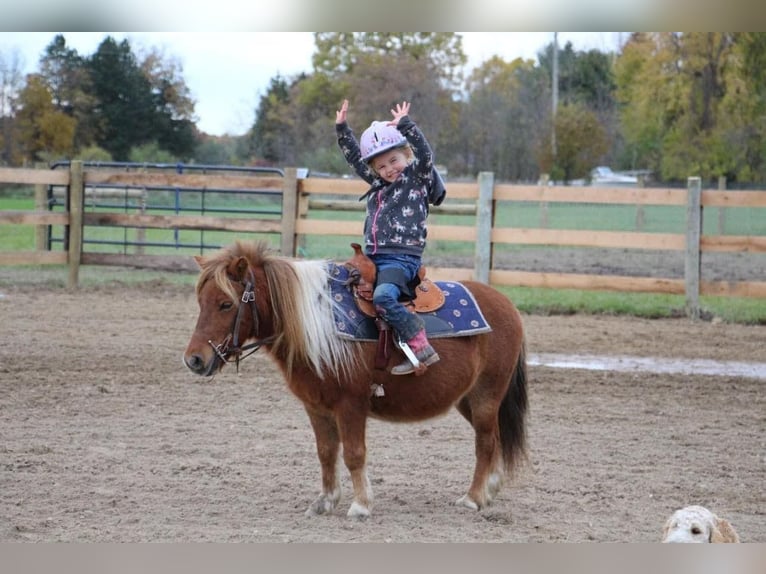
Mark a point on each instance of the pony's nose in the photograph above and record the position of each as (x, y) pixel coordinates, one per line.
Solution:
(195, 363)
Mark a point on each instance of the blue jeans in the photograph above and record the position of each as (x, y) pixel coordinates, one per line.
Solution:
(386, 295)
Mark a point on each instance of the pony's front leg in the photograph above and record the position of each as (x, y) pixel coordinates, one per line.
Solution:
(328, 443)
(352, 424)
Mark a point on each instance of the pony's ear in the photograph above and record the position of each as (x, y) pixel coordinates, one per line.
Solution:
(237, 269)
(198, 259)
(723, 531)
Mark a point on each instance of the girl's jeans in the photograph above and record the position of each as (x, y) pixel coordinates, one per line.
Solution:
(386, 296)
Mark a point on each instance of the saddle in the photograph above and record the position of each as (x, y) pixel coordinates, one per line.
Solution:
(362, 274)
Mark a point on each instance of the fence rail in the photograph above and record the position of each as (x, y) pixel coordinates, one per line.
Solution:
(302, 198)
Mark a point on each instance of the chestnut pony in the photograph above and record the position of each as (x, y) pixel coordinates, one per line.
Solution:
(249, 297)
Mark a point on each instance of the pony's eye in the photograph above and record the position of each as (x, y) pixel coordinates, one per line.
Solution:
(696, 530)
(226, 305)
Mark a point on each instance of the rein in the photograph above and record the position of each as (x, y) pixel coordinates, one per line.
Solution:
(224, 349)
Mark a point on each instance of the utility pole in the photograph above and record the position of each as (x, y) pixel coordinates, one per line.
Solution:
(555, 90)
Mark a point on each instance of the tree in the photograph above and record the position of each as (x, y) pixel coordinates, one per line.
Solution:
(390, 79)
(93, 153)
(270, 135)
(581, 141)
(224, 150)
(44, 132)
(175, 121)
(740, 124)
(675, 89)
(504, 119)
(151, 152)
(386, 80)
(338, 53)
(66, 74)
(584, 76)
(642, 102)
(587, 78)
(124, 99)
(294, 119)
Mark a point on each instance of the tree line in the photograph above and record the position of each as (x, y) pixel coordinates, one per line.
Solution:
(675, 104)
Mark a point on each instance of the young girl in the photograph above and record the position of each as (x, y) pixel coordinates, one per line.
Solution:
(396, 160)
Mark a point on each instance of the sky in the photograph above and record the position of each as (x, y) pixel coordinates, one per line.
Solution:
(228, 72)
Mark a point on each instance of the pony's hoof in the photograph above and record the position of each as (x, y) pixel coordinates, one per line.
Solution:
(358, 511)
(494, 484)
(467, 502)
(322, 505)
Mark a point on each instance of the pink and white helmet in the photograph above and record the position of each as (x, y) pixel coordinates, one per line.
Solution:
(378, 138)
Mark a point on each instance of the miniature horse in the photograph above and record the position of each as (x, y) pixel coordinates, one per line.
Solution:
(249, 297)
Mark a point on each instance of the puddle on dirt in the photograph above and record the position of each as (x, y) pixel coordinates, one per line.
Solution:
(650, 365)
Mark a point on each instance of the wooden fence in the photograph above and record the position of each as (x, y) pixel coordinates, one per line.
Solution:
(300, 197)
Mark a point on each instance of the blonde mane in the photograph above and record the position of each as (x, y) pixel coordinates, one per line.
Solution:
(302, 308)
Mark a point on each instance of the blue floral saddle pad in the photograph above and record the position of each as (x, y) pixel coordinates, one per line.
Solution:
(460, 315)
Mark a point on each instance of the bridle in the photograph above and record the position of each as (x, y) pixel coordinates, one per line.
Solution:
(230, 345)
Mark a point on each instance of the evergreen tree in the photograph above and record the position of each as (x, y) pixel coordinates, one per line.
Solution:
(125, 105)
(270, 136)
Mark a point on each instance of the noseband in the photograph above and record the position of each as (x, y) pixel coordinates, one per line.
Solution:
(224, 349)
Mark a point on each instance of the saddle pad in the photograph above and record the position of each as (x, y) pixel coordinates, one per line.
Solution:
(460, 315)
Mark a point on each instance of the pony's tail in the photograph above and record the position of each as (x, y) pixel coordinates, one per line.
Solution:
(512, 414)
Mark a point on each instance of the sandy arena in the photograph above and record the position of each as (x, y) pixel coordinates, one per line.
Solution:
(107, 437)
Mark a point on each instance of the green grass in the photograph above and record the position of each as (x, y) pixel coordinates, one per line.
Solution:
(17, 237)
(647, 305)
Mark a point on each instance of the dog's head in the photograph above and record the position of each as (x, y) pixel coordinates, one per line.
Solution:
(697, 524)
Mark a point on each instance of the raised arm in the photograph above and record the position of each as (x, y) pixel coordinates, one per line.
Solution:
(416, 139)
(349, 146)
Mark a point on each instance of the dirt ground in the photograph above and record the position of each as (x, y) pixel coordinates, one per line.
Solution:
(107, 437)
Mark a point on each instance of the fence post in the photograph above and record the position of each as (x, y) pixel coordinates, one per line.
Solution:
(76, 200)
(484, 203)
(544, 181)
(640, 208)
(141, 231)
(289, 211)
(693, 234)
(41, 204)
(721, 209)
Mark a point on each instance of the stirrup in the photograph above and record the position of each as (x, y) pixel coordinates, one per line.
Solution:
(412, 364)
(406, 367)
(408, 352)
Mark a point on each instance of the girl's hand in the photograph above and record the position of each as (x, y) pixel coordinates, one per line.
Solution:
(401, 110)
(340, 115)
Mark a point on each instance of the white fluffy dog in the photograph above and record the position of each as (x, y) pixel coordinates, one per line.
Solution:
(697, 524)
